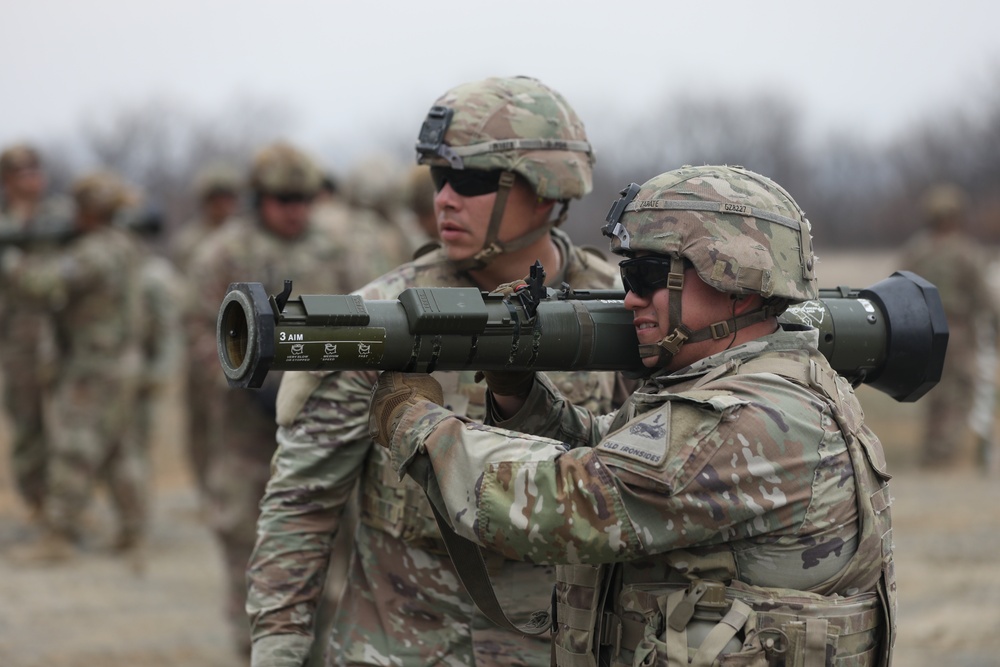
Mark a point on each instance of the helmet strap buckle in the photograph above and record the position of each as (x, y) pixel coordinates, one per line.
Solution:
(720, 330)
(672, 343)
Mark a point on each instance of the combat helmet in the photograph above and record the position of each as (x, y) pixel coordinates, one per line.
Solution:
(943, 202)
(514, 125)
(742, 232)
(217, 178)
(282, 169)
(17, 157)
(102, 194)
(375, 182)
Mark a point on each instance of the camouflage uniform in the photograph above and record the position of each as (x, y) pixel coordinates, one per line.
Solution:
(162, 340)
(404, 603)
(211, 181)
(241, 421)
(26, 343)
(366, 214)
(92, 289)
(953, 262)
(325, 451)
(740, 499)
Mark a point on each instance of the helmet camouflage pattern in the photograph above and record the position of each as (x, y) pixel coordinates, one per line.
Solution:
(217, 178)
(280, 168)
(743, 232)
(942, 201)
(513, 124)
(375, 181)
(17, 157)
(103, 193)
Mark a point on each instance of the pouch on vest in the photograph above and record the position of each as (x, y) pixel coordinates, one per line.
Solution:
(661, 625)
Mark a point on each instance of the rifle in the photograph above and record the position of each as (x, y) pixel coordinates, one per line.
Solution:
(891, 336)
(55, 232)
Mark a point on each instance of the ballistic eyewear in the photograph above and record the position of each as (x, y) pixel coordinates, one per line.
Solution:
(644, 275)
(466, 182)
(292, 198)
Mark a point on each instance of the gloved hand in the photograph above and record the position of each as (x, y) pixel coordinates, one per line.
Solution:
(392, 395)
(509, 288)
(508, 383)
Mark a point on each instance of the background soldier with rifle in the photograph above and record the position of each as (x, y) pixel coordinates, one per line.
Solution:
(26, 345)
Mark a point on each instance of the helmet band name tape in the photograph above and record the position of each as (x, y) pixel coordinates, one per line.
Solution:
(713, 207)
(501, 145)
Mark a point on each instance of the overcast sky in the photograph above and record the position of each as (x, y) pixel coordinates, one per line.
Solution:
(348, 69)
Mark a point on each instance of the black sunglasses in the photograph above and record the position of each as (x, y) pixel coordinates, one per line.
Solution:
(466, 182)
(292, 198)
(644, 275)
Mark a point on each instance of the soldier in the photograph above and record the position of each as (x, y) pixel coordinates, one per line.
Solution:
(735, 510)
(505, 153)
(217, 187)
(944, 254)
(92, 290)
(366, 213)
(278, 242)
(25, 329)
(162, 341)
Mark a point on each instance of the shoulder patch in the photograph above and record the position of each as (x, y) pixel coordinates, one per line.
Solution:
(646, 441)
(664, 443)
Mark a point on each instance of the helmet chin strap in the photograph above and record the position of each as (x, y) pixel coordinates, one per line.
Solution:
(492, 247)
(668, 347)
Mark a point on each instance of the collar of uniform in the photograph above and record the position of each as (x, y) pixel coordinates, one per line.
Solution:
(780, 341)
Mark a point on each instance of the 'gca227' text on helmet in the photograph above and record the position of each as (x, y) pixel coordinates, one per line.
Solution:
(742, 232)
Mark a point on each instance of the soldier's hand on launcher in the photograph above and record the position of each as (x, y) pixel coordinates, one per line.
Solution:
(393, 395)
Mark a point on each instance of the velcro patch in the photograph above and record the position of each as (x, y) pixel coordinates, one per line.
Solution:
(645, 441)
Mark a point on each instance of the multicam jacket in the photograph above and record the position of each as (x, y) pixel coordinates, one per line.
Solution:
(403, 603)
(752, 468)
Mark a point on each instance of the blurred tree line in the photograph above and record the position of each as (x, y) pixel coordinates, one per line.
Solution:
(855, 191)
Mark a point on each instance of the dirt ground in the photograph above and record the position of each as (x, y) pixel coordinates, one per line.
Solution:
(96, 612)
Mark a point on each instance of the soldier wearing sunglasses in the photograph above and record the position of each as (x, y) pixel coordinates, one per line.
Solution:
(735, 510)
(507, 155)
(277, 240)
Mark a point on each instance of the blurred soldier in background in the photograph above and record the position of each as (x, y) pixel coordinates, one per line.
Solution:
(26, 342)
(368, 214)
(945, 255)
(92, 289)
(162, 341)
(518, 154)
(277, 242)
(418, 195)
(217, 187)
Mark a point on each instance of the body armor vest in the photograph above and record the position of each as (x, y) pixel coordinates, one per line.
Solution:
(614, 615)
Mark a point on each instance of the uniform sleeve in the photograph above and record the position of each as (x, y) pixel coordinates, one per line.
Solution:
(319, 458)
(56, 277)
(688, 473)
(164, 342)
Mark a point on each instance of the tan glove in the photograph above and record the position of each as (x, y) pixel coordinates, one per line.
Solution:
(508, 383)
(509, 288)
(392, 395)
